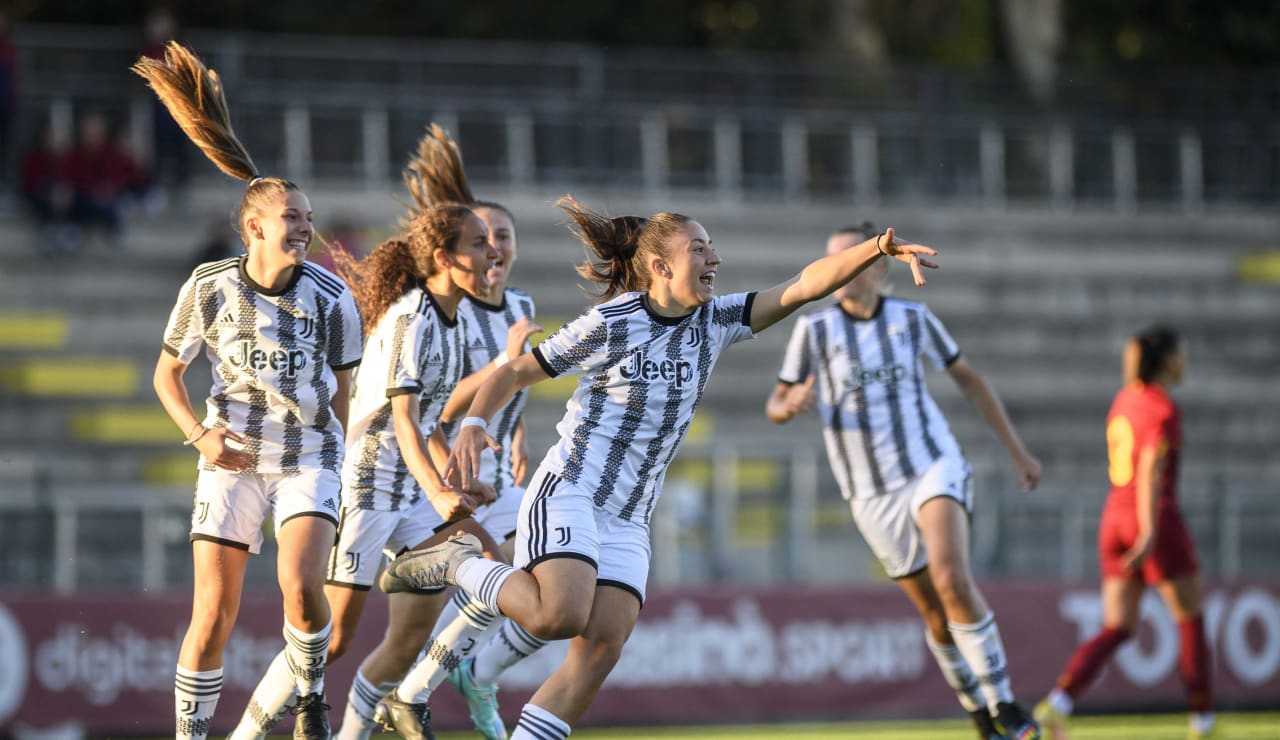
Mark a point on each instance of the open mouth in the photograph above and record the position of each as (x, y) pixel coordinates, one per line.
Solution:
(708, 279)
(300, 244)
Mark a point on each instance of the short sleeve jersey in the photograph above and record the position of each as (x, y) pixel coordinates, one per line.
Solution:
(414, 348)
(274, 353)
(1142, 417)
(642, 377)
(487, 329)
(880, 425)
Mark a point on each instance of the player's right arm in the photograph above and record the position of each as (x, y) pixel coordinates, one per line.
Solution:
(464, 392)
(448, 501)
(793, 393)
(1148, 470)
(211, 442)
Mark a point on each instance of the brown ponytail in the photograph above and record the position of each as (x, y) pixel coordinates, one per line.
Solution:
(193, 95)
(621, 245)
(435, 175)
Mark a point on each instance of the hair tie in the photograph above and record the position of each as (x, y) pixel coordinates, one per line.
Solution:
(256, 180)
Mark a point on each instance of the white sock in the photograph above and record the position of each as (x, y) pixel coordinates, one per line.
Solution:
(306, 654)
(981, 646)
(1061, 702)
(1202, 722)
(956, 671)
(195, 696)
(274, 695)
(449, 645)
(483, 578)
(537, 723)
(511, 645)
(362, 699)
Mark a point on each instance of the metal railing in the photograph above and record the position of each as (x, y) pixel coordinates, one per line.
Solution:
(729, 514)
(739, 127)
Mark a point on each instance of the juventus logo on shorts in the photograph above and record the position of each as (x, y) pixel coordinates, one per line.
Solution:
(562, 536)
(308, 327)
(202, 511)
(353, 561)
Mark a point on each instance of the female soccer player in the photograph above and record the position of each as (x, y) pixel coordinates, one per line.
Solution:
(408, 291)
(499, 322)
(282, 335)
(645, 353)
(1142, 540)
(907, 483)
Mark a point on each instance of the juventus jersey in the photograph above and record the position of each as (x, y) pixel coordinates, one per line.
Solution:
(879, 422)
(642, 378)
(487, 328)
(414, 348)
(273, 354)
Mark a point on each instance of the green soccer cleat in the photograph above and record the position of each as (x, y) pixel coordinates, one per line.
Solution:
(482, 700)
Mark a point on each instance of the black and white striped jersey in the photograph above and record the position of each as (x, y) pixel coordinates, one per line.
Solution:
(643, 376)
(881, 426)
(273, 353)
(487, 328)
(414, 348)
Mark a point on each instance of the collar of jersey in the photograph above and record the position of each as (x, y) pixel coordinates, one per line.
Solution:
(668, 320)
(875, 313)
(293, 280)
(444, 317)
(489, 306)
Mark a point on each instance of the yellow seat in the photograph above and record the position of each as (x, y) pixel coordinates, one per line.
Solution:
(33, 330)
(136, 424)
(72, 377)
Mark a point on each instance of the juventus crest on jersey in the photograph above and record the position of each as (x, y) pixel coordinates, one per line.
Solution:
(414, 348)
(273, 354)
(879, 422)
(487, 329)
(642, 379)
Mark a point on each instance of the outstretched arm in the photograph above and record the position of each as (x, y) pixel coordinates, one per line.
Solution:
(983, 397)
(465, 391)
(823, 276)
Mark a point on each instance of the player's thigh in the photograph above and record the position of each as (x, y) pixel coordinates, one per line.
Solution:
(1183, 595)
(886, 524)
(614, 612)
(411, 617)
(306, 516)
(1121, 602)
(218, 583)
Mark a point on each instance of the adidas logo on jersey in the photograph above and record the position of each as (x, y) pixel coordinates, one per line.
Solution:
(640, 367)
(328, 504)
(285, 362)
(228, 319)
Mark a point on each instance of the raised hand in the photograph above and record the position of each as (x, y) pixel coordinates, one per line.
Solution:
(908, 252)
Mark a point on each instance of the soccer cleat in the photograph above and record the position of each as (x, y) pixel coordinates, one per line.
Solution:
(433, 567)
(1014, 722)
(482, 700)
(1201, 728)
(986, 726)
(1053, 722)
(313, 718)
(409, 721)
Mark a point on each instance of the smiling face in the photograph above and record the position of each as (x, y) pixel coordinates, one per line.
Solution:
(280, 228)
(689, 265)
(472, 258)
(502, 233)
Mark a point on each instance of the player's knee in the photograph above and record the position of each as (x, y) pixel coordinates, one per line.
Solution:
(953, 585)
(339, 643)
(559, 624)
(304, 601)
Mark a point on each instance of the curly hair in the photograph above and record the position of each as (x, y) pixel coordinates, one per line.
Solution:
(400, 263)
(193, 95)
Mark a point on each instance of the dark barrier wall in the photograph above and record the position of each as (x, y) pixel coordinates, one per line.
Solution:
(698, 655)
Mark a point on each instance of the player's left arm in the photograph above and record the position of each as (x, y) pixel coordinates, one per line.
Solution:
(1151, 463)
(983, 397)
(519, 452)
(821, 277)
(341, 401)
(502, 384)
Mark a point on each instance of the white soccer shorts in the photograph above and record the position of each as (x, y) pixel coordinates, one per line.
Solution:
(230, 508)
(888, 521)
(559, 520)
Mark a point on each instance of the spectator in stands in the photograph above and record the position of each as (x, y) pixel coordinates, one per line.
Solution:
(1142, 540)
(172, 152)
(904, 476)
(219, 244)
(283, 336)
(8, 94)
(644, 352)
(101, 174)
(47, 193)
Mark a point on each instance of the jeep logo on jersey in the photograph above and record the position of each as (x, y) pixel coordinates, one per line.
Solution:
(285, 362)
(640, 367)
(889, 375)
